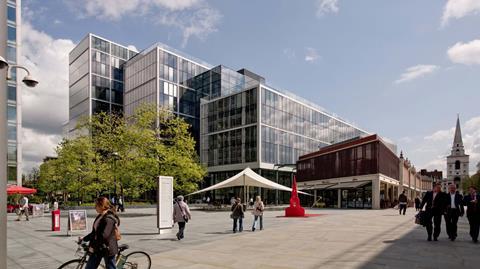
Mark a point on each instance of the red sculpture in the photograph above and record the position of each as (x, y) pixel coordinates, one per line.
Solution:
(295, 209)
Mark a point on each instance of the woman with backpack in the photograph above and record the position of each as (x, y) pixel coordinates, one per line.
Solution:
(257, 212)
(181, 215)
(103, 238)
(237, 215)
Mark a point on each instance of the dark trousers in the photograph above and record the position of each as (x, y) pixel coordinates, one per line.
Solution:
(240, 224)
(437, 223)
(402, 207)
(451, 219)
(474, 222)
(95, 259)
(181, 229)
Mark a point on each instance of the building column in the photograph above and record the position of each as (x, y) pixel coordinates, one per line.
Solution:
(376, 193)
(339, 198)
(314, 197)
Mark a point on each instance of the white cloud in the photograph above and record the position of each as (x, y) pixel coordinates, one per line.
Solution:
(194, 18)
(465, 53)
(456, 9)
(415, 72)
(290, 53)
(311, 55)
(45, 107)
(326, 6)
(132, 47)
(57, 21)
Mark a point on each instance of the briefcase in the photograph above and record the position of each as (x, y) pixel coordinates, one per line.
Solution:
(420, 218)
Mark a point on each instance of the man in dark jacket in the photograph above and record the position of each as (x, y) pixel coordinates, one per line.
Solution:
(454, 210)
(435, 206)
(402, 203)
(473, 212)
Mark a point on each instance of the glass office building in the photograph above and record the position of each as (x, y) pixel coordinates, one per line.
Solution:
(96, 78)
(237, 120)
(14, 111)
(246, 123)
(163, 76)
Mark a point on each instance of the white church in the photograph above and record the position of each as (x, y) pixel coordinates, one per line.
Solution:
(457, 161)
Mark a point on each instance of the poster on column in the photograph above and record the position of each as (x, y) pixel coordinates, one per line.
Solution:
(165, 203)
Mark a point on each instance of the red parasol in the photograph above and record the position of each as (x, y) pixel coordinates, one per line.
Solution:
(14, 189)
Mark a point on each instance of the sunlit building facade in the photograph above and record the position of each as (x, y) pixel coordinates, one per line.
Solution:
(96, 78)
(14, 103)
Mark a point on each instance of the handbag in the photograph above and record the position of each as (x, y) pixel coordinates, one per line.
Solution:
(420, 218)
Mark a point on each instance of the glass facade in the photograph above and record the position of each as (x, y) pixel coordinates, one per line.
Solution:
(14, 159)
(96, 78)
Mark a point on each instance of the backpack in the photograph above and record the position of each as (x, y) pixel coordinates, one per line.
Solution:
(118, 236)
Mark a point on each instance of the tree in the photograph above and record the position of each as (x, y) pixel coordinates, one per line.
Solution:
(115, 154)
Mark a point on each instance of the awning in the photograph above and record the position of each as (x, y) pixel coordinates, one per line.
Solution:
(349, 185)
(245, 178)
(315, 187)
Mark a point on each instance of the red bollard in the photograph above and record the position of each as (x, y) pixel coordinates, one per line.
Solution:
(56, 220)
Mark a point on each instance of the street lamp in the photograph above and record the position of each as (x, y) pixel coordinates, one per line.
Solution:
(115, 157)
(28, 79)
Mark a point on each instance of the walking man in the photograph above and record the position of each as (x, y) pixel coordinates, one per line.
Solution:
(454, 210)
(23, 208)
(417, 203)
(402, 203)
(435, 206)
(473, 214)
(181, 215)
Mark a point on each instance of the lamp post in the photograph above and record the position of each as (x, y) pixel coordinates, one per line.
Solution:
(115, 157)
(30, 82)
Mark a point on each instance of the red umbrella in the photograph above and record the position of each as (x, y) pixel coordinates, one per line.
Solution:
(14, 189)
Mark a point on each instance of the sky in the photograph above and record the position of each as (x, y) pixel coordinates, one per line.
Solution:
(402, 69)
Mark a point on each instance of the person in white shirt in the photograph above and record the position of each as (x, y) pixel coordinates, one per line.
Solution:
(453, 211)
(23, 208)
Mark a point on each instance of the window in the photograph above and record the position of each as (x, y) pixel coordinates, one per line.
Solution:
(98, 107)
(12, 113)
(12, 93)
(11, 54)
(100, 44)
(457, 164)
(11, 14)
(12, 132)
(12, 34)
(12, 153)
(12, 173)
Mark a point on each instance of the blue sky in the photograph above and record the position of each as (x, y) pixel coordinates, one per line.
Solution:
(403, 69)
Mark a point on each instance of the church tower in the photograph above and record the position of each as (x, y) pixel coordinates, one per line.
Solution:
(457, 161)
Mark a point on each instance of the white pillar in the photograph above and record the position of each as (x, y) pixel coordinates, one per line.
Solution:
(339, 199)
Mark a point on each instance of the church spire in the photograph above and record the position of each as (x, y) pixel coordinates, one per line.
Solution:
(457, 141)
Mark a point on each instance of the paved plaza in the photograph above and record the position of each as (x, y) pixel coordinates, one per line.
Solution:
(336, 239)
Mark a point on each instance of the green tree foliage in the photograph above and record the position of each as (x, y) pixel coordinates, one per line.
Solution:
(126, 156)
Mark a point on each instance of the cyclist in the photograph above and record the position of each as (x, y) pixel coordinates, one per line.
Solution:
(103, 239)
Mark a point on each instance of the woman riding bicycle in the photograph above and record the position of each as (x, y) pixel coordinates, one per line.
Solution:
(103, 239)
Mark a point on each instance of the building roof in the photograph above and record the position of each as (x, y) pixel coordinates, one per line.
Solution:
(344, 145)
(458, 134)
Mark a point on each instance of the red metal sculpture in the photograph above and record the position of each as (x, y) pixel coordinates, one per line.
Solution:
(295, 209)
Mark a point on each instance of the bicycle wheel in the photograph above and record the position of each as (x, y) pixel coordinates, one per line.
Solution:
(137, 260)
(73, 264)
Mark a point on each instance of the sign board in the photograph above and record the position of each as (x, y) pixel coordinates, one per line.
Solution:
(165, 203)
(77, 220)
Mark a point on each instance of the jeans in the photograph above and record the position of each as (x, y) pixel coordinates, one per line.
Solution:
(255, 222)
(95, 259)
(240, 224)
(402, 207)
(181, 229)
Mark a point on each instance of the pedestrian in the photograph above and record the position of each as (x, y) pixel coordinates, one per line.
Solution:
(103, 238)
(454, 210)
(250, 202)
(181, 215)
(237, 215)
(232, 200)
(23, 208)
(402, 203)
(55, 204)
(473, 212)
(435, 207)
(120, 204)
(257, 212)
(417, 203)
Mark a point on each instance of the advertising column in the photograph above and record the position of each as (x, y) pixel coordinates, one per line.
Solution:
(165, 204)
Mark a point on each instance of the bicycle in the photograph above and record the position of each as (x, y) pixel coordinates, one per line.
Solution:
(133, 260)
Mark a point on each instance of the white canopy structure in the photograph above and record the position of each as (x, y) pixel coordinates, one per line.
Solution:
(247, 178)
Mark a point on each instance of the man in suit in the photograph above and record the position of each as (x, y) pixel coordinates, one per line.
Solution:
(454, 210)
(402, 203)
(473, 212)
(435, 206)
